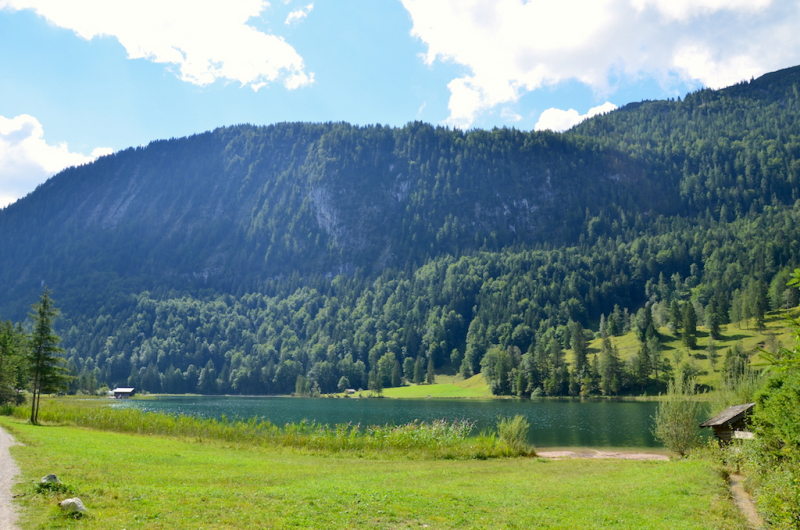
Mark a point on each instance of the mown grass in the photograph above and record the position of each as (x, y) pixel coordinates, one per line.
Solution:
(156, 482)
(437, 439)
(444, 387)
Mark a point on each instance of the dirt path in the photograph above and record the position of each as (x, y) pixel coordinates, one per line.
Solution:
(745, 502)
(8, 470)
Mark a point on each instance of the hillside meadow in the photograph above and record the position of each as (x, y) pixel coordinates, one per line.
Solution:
(775, 334)
(147, 481)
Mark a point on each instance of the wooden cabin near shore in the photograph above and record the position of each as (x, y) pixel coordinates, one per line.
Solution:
(120, 393)
(731, 423)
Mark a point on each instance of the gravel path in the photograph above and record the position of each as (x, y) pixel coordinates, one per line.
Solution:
(8, 470)
(590, 453)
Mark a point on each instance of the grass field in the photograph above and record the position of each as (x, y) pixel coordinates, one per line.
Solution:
(446, 386)
(153, 482)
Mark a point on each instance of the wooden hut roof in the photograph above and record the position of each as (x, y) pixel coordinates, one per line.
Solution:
(728, 415)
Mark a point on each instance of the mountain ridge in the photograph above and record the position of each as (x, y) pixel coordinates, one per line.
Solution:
(263, 259)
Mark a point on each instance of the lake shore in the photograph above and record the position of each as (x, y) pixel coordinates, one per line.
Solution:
(132, 481)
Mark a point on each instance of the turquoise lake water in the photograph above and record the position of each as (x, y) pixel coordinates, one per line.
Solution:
(554, 423)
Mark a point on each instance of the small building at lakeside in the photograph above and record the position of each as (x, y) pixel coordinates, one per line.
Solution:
(731, 423)
(120, 393)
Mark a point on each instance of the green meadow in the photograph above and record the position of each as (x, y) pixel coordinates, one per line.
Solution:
(775, 334)
(446, 386)
(148, 481)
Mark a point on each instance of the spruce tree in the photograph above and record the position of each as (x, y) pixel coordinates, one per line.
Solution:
(712, 354)
(418, 371)
(713, 320)
(397, 375)
(578, 341)
(654, 350)
(676, 315)
(643, 365)
(46, 364)
(11, 363)
(689, 326)
(609, 368)
(430, 376)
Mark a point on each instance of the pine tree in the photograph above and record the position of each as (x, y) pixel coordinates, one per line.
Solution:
(47, 370)
(418, 371)
(713, 320)
(578, 341)
(654, 350)
(676, 315)
(397, 375)
(712, 354)
(689, 326)
(643, 365)
(760, 305)
(11, 363)
(609, 368)
(430, 376)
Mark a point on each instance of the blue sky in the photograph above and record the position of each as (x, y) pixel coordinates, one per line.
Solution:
(79, 79)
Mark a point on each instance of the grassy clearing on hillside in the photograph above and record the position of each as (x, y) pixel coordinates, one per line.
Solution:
(776, 333)
(446, 386)
(134, 481)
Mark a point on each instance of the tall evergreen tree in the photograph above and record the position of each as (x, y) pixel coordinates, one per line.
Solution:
(430, 375)
(578, 343)
(676, 316)
(419, 371)
(609, 368)
(643, 366)
(46, 364)
(654, 351)
(713, 320)
(12, 367)
(689, 335)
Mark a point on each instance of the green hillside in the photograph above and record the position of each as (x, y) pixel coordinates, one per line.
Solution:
(298, 257)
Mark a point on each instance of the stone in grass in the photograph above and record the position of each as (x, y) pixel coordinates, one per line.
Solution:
(74, 505)
(50, 479)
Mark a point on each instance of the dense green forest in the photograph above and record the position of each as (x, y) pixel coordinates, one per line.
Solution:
(304, 257)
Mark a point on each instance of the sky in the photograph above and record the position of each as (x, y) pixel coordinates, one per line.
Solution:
(83, 78)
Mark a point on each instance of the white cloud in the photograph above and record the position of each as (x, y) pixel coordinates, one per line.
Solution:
(299, 14)
(27, 160)
(509, 115)
(512, 47)
(558, 120)
(206, 40)
(684, 9)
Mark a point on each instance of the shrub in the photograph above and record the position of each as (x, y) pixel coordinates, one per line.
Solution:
(676, 418)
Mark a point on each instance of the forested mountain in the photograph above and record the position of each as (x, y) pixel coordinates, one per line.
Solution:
(264, 259)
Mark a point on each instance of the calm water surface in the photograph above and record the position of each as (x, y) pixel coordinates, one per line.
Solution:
(568, 423)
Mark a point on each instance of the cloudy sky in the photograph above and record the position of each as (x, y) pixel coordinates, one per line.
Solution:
(82, 78)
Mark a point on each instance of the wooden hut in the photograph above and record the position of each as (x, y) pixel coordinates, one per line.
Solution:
(120, 393)
(731, 423)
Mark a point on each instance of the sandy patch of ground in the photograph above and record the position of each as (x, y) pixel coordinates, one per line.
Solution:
(8, 470)
(591, 453)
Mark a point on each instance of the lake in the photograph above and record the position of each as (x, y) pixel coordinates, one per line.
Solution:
(554, 423)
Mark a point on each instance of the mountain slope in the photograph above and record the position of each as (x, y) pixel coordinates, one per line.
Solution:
(237, 206)
(263, 259)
